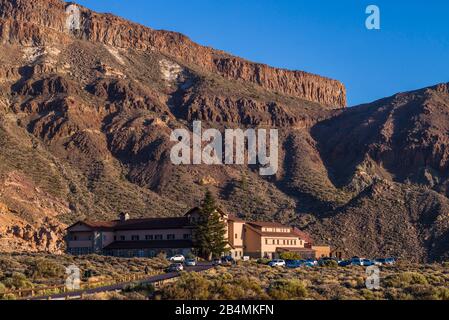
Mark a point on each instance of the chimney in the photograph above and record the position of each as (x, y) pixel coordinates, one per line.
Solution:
(123, 217)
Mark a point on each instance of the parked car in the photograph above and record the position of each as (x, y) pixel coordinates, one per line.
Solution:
(228, 260)
(356, 261)
(385, 261)
(179, 258)
(367, 263)
(217, 262)
(380, 262)
(344, 263)
(310, 263)
(293, 264)
(277, 263)
(190, 262)
(175, 267)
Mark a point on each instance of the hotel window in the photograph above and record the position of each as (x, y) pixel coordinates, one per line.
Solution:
(186, 236)
(122, 238)
(236, 235)
(171, 237)
(158, 237)
(149, 237)
(266, 241)
(135, 238)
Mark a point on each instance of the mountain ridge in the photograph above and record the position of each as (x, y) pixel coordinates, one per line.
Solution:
(111, 30)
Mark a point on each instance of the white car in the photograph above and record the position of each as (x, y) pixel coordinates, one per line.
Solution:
(277, 263)
(176, 267)
(179, 258)
(190, 262)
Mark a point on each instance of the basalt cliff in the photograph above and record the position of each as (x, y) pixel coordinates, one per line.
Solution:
(88, 102)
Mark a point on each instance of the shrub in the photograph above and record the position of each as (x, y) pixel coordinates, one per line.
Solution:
(442, 293)
(190, 286)
(2, 290)
(290, 256)
(46, 269)
(287, 289)
(251, 286)
(139, 287)
(9, 296)
(422, 292)
(405, 279)
(231, 292)
(263, 261)
(17, 281)
(329, 264)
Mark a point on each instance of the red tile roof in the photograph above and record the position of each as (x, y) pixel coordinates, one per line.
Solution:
(235, 219)
(271, 234)
(261, 224)
(138, 224)
(96, 225)
(303, 235)
(154, 223)
(101, 224)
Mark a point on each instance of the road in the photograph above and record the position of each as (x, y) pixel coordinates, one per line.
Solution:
(119, 286)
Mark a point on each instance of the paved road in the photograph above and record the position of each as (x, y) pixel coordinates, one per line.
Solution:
(119, 286)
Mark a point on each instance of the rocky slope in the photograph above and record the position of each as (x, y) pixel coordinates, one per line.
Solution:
(86, 115)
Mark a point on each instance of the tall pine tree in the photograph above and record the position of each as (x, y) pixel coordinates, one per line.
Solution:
(210, 230)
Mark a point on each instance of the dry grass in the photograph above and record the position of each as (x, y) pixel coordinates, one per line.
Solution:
(254, 281)
(40, 270)
(246, 281)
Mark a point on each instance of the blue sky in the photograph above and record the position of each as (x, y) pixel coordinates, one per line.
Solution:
(325, 37)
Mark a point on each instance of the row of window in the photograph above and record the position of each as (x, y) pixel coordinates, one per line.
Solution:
(283, 242)
(149, 253)
(286, 230)
(151, 237)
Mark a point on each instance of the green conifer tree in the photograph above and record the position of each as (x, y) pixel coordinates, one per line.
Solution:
(210, 230)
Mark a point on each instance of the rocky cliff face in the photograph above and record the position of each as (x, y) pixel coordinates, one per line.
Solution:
(40, 22)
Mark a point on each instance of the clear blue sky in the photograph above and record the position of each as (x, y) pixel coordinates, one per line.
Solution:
(324, 37)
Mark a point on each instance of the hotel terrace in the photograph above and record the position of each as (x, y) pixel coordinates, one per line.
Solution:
(127, 237)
